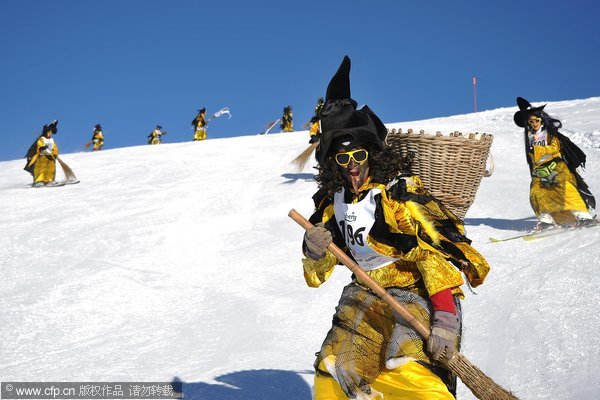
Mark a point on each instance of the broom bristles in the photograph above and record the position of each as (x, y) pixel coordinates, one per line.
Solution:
(68, 171)
(482, 386)
(303, 157)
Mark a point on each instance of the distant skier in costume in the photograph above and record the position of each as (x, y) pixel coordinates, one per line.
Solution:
(287, 124)
(200, 124)
(97, 138)
(41, 157)
(314, 130)
(558, 194)
(405, 240)
(155, 137)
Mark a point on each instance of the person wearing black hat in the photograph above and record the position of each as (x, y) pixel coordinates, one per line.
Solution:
(287, 123)
(558, 194)
(41, 157)
(200, 124)
(97, 138)
(155, 137)
(405, 240)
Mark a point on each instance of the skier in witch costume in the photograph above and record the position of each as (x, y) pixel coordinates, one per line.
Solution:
(405, 240)
(287, 123)
(558, 194)
(314, 130)
(97, 138)
(200, 124)
(41, 157)
(155, 137)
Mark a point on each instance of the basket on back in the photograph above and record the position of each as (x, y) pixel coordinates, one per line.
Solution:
(451, 167)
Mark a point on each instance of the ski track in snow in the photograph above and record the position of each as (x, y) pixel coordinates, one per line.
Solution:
(179, 260)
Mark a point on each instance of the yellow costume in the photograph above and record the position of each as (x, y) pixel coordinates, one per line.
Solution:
(155, 137)
(558, 194)
(368, 349)
(410, 381)
(553, 187)
(44, 160)
(287, 124)
(314, 131)
(315, 125)
(97, 140)
(200, 124)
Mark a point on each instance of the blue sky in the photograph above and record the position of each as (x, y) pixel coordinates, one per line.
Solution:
(130, 65)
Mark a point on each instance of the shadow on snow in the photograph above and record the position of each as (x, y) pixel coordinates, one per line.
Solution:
(522, 224)
(291, 178)
(264, 384)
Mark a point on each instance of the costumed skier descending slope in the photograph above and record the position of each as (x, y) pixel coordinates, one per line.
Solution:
(41, 157)
(558, 194)
(200, 125)
(97, 138)
(405, 240)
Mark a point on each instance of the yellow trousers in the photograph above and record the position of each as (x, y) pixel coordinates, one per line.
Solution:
(200, 134)
(44, 169)
(410, 381)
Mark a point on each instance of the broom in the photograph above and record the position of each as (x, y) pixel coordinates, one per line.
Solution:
(482, 386)
(303, 157)
(67, 170)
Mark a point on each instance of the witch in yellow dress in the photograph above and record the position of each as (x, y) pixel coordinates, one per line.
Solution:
(558, 194)
(200, 125)
(41, 157)
(405, 240)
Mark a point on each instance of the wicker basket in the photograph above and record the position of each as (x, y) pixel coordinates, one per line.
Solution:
(451, 167)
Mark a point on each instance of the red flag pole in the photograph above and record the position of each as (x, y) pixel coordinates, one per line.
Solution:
(475, 93)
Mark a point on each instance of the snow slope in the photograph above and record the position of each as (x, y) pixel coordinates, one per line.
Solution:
(179, 260)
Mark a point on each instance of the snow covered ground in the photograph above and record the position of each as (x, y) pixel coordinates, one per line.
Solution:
(179, 260)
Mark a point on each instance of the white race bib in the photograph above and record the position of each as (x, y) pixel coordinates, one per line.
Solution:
(538, 138)
(49, 143)
(355, 222)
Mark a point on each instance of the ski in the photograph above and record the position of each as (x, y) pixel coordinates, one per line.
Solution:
(498, 240)
(57, 184)
(552, 232)
(530, 236)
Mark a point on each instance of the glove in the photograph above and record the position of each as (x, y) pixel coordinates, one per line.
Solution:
(316, 240)
(45, 150)
(443, 339)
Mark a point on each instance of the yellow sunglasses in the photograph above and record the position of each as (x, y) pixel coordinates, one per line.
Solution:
(359, 156)
(534, 120)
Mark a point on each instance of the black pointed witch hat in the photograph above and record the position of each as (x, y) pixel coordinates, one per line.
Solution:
(341, 122)
(525, 110)
(51, 127)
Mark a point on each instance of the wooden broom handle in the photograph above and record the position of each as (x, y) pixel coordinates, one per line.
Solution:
(364, 277)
